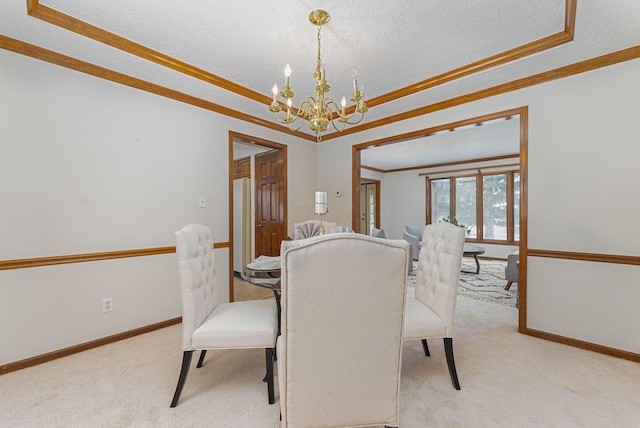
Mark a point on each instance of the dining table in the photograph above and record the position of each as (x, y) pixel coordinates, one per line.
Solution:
(265, 272)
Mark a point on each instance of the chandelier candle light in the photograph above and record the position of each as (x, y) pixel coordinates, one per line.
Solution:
(321, 207)
(321, 110)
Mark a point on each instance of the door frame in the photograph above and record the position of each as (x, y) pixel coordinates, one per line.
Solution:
(523, 112)
(376, 183)
(282, 149)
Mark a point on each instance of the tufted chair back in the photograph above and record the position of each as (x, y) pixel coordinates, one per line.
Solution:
(309, 228)
(439, 270)
(200, 294)
(340, 229)
(306, 230)
(340, 352)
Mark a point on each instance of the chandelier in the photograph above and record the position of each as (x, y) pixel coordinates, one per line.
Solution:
(321, 110)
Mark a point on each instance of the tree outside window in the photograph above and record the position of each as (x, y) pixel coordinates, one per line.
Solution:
(494, 206)
(457, 198)
(440, 199)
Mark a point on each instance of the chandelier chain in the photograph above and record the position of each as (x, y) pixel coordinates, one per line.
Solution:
(319, 62)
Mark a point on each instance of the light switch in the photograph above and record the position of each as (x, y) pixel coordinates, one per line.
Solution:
(202, 201)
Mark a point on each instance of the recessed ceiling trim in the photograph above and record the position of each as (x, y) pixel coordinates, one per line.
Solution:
(421, 133)
(516, 53)
(559, 73)
(439, 165)
(52, 16)
(56, 58)
(45, 13)
(72, 24)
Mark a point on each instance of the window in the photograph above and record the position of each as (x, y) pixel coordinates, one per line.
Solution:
(465, 207)
(494, 206)
(486, 203)
(440, 197)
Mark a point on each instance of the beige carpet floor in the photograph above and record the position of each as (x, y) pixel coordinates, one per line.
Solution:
(508, 380)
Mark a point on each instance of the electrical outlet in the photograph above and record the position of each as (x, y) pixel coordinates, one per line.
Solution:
(107, 304)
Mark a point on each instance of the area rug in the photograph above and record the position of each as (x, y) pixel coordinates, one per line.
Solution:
(487, 286)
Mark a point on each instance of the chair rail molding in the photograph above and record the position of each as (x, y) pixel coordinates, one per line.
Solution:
(92, 257)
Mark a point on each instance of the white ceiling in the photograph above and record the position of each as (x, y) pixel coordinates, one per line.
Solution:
(490, 139)
(392, 43)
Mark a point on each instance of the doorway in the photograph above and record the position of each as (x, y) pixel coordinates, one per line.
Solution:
(257, 192)
(420, 136)
(369, 205)
(269, 228)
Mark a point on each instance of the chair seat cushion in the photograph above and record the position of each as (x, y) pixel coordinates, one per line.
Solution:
(250, 324)
(420, 322)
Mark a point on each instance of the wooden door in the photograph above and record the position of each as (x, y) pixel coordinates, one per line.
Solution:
(269, 181)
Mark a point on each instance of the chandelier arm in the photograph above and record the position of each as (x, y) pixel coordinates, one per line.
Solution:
(333, 113)
(357, 121)
(297, 127)
(338, 128)
(285, 119)
(345, 121)
(306, 107)
(322, 110)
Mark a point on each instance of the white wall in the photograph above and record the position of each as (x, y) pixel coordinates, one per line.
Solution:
(402, 202)
(88, 166)
(91, 166)
(333, 160)
(584, 146)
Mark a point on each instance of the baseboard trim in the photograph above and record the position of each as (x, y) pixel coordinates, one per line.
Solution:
(44, 358)
(618, 353)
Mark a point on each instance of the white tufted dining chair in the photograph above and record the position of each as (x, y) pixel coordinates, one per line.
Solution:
(305, 230)
(340, 229)
(430, 310)
(340, 351)
(309, 228)
(209, 323)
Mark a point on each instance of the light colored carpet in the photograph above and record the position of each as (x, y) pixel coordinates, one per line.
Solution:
(488, 285)
(508, 380)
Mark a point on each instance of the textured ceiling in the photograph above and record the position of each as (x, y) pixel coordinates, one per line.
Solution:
(491, 139)
(394, 44)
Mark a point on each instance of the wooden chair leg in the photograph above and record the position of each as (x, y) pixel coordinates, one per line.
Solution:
(425, 347)
(508, 286)
(201, 359)
(269, 377)
(186, 362)
(448, 350)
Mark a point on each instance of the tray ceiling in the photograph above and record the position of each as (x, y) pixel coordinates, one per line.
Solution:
(230, 53)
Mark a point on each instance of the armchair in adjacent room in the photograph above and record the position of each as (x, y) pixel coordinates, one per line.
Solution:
(414, 241)
(413, 235)
(511, 272)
